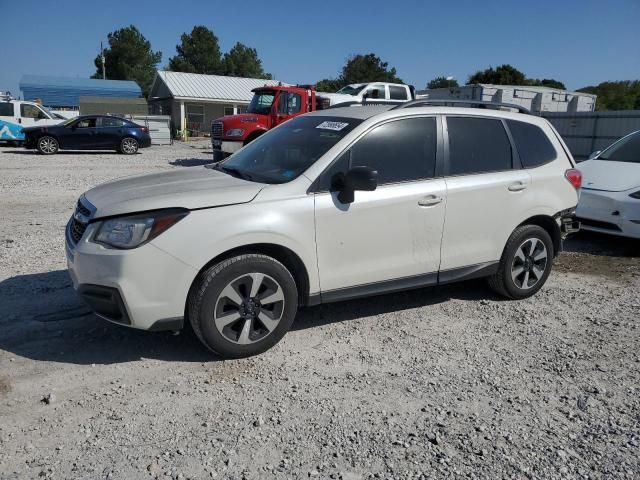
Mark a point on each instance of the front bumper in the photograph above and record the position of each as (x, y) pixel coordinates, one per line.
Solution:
(143, 288)
(226, 146)
(615, 213)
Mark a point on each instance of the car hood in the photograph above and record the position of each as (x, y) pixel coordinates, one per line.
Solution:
(195, 187)
(608, 175)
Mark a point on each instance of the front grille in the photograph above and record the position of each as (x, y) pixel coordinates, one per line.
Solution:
(82, 210)
(77, 230)
(79, 220)
(599, 224)
(216, 129)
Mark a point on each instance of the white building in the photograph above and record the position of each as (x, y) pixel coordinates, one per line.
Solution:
(194, 100)
(537, 99)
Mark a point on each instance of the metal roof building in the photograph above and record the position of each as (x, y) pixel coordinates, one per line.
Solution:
(65, 92)
(537, 99)
(193, 100)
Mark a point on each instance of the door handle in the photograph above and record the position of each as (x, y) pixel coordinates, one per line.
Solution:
(517, 187)
(429, 201)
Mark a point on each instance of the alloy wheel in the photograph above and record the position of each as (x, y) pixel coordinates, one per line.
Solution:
(529, 263)
(129, 145)
(48, 145)
(249, 308)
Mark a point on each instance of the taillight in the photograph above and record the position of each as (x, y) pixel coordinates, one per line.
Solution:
(575, 178)
(144, 129)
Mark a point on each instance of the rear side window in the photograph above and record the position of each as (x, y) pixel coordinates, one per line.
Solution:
(534, 148)
(477, 145)
(400, 151)
(111, 122)
(397, 92)
(6, 109)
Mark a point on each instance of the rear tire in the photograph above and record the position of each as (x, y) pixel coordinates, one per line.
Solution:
(243, 306)
(47, 145)
(525, 264)
(129, 146)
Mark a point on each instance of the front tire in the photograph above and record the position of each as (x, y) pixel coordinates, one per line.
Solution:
(525, 264)
(129, 146)
(47, 145)
(243, 306)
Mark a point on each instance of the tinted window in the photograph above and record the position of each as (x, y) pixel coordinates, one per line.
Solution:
(282, 154)
(31, 111)
(627, 150)
(477, 145)
(111, 122)
(289, 103)
(86, 123)
(375, 91)
(402, 150)
(397, 92)
(533, 145)
(6, 109)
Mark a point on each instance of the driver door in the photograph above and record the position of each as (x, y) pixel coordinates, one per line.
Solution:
(388, 238)
(289, 105)
(81, 134)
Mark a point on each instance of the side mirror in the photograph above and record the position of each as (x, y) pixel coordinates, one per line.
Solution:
(595, 154)
(357, 179)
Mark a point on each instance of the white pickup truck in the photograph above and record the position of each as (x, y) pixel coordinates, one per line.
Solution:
(374, 91)
(18, 114)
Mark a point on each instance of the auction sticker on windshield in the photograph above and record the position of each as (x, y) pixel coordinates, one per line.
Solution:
(335, 126)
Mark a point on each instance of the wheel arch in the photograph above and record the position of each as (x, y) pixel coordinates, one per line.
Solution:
(551, 226)
(284, 255)
(253, 135)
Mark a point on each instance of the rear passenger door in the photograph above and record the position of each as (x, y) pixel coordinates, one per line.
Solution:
(487, 192)
(393, 232)
(110, 132)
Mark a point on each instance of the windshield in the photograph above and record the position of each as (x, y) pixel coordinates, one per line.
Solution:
(351, 89)
(261, 103)
(625, 150)
(284, 153)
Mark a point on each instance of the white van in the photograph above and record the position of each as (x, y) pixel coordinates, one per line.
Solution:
(18, 114)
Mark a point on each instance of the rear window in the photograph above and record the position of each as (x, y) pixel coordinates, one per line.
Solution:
(625, 150)
(6, 109)
(534, 147)
(477, 145)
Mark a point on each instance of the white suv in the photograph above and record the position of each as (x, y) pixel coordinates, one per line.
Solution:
(332, 205)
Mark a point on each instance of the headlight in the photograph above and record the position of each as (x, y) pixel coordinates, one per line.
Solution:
(235, 132)
(635, 195)
(135, 230)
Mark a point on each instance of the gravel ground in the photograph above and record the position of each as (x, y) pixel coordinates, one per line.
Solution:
(434, 383)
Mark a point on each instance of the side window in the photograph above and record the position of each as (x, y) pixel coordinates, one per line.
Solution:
(477, 145)
(86, 123)
(397, 92)
(534, 148)
(401, 150)
(375, 91)
(31, 111)
(108, 122)
(289, 103)
(6, 109)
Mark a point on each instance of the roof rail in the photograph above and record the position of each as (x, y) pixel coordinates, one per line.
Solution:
(365, 103)
(446, 102)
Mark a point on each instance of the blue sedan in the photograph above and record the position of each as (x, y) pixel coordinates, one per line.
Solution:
(89, 132)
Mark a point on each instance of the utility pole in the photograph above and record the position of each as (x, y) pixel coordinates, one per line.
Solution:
(104, 75)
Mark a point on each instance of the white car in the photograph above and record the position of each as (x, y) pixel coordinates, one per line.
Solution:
(379, 92)
(15, 115)
(610, 196)
(328, 206)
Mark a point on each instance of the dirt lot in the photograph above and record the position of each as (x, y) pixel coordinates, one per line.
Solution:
(435, 383)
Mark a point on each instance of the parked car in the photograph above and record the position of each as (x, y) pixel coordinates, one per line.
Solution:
(610, 196)
(328, 206)
(89, 132)
(16, 115)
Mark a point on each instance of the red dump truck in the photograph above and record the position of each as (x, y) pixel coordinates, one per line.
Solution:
(272, 105)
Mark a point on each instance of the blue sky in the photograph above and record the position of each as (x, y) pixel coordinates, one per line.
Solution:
(580, 42)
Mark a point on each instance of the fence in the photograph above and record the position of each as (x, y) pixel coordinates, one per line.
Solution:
(586, 132)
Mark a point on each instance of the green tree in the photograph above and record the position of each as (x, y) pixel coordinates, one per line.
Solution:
(502, 75)
(619, 95)
(546, 82)
(360, 69)
(129, 57)
(198, 52)
(442, 82)
(243, 61)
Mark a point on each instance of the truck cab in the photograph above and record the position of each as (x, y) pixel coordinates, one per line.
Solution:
(379, 92)
(18, 114)
(269, 107)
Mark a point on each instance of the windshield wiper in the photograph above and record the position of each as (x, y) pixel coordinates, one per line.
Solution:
(234, 172)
